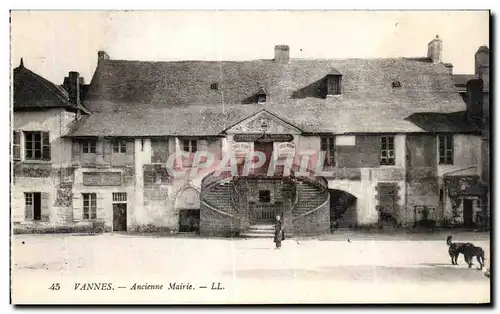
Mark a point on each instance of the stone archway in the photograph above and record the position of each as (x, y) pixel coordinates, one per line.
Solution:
(187, 205)
(343, 209)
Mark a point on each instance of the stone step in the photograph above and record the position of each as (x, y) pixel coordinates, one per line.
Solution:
(256, 235)
(260, 231)
(262, 227)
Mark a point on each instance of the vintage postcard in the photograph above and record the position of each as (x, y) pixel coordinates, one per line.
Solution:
(250, 157)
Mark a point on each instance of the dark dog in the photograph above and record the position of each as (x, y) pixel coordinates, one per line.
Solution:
(470, 252)
(456, 248)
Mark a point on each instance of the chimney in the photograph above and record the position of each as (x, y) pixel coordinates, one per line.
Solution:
(281, 54)
(102, 55)
(72, 84)
(475, 100)
(449, 66)
(482, 65)
(434, 50)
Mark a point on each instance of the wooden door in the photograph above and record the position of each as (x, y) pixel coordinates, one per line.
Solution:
(120, 217)
(468, 213)
(267, 149)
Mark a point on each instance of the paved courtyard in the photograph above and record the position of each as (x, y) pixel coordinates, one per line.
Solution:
(334, 270)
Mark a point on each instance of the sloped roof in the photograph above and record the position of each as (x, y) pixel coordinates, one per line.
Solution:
(461, 80)
(174, 98)
(32, 91)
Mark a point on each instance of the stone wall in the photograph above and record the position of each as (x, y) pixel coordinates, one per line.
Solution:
(315, 223)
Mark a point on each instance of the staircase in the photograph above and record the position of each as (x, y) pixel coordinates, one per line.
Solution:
(309, 197)
(219, 196)
(259, 231)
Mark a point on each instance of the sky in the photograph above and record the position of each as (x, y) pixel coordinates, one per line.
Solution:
(52, 43)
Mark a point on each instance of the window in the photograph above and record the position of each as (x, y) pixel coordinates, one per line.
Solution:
(119, 197)
(214, 86)
(89, 205)
(16, 148)
(120, 146)
(387, 151)
(328, 148)
(396, 84)
(88, 147)
(189, 146)
(445, 149)
(32, 206)
(261, 98)
(265, 196)
(37, 145)
(333, 85)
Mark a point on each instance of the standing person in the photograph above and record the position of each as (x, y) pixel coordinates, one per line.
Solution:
(279, 235)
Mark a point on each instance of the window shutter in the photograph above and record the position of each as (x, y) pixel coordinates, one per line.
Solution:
(100, 212)
(130, 152)
(28, 210)
(46, 146)
(77, 207)
(108, 146)
(45, 206)
(17, 145)
(75, 151)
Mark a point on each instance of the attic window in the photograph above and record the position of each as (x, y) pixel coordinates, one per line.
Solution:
(261, 98)
(396, 84)
(214, 86)
(333, 83)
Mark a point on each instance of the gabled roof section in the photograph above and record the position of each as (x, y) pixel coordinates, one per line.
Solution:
(32, 91)
(171, 98)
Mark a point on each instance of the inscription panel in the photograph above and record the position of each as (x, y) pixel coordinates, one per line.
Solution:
(102, 178)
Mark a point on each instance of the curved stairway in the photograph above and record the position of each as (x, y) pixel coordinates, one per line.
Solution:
(218, 194)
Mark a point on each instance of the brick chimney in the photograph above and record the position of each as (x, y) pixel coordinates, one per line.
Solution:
(449, 66)
(73, 85)
(102, 55)
(482, 65)
(475, 101)
(434, 50)
(281, 54)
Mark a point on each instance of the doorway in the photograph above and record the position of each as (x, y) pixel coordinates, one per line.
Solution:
(189, 220)
(468, 213)
(267, 149)
(119, 217)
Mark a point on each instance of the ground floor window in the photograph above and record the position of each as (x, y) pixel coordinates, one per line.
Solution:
(33, 205)
(89, 205)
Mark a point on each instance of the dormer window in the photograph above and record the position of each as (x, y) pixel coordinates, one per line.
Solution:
(396, 84)
(214, 86)
(262, 96)
(333, 84)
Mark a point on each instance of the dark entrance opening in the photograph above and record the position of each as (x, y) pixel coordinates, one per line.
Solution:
(343, 208)
(120, 217)
(468, 213)
(267, 149)
(189, 220)
(37, 206)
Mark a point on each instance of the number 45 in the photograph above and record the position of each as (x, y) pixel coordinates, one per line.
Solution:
(55, 286)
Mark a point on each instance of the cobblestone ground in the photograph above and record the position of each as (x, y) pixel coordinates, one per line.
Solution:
(331, 269)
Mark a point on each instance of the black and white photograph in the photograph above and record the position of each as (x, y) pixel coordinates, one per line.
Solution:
(250, 157)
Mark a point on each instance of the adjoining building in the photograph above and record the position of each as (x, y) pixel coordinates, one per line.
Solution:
(387, 132)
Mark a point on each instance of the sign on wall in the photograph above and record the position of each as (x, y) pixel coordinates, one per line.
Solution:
(263, 137)
(345, 140)
(102, 178)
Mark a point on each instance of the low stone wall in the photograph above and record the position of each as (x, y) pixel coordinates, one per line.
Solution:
(213, 223)
(315, 223)
(47, 228)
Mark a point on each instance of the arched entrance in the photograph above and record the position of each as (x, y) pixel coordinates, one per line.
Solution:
(343, 209)
(187, 205)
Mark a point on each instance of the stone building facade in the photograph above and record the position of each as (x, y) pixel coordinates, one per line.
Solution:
(176, 145)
